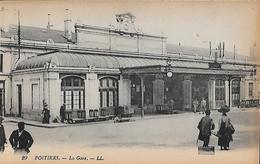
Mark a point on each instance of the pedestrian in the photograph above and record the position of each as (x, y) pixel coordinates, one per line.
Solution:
(2, 136)
(203, 105)
(225, 129)
(46, 114)
(195, 104)
(171, 103)
(62, 113)
(21, 140)
(205, 126)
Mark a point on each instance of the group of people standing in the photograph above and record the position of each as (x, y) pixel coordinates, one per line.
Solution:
(202, 104)
(225, 129)
(20, 139)
(46, 113)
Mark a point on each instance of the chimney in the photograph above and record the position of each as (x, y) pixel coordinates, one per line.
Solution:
(49, 25)
(67, 26)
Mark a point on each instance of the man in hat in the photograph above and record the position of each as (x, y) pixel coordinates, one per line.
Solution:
(20, 139)
(205, 126)
(62, 113)
(46, 114)
(2, 136)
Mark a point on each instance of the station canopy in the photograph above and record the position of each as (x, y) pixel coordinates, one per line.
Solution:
(67, 59)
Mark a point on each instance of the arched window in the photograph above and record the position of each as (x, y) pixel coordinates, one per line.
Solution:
(73, 93)
(108, 90)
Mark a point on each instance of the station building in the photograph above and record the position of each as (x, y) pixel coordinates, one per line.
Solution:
(97, 69)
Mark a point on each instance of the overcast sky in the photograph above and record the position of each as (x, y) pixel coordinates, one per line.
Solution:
(190, 23)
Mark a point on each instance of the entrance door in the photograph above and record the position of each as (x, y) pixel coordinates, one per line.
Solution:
(235, 92)
(19, 91)
(2, 95)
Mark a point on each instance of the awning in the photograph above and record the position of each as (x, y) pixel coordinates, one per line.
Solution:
(85, 60)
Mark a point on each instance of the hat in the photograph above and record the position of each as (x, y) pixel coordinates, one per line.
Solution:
(224, 109)
(207, 112)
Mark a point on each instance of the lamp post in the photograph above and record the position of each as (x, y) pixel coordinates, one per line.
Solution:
(168, 67)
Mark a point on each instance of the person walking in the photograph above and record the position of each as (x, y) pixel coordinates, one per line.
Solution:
(2, 136)
(205, 126)
(21, 140)
(62, 113)
(225, 129)
(203, 105)
(195, 104)
(46, 114)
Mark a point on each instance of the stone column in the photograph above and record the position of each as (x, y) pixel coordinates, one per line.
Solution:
(211, 94)
(242, 89)
(92, 95)
(142, 91)
(227, 92)
(158, 90)
(187, 93)
(124, 91)
(53, 89)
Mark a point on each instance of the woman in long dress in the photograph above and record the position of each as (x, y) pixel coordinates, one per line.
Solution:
(224, 134)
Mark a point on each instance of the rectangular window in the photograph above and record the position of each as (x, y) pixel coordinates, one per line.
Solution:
(35, 96)
(220, 90)
(250, 87)
(75, 99)
(81, 102)
(110, 98)
(104, 99)
(62, 97)
(1, 63)
(68, 100)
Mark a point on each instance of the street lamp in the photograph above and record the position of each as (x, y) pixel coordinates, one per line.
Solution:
(169, 74)
(168, 67)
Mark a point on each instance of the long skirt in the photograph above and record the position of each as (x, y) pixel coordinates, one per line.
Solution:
(224, 140)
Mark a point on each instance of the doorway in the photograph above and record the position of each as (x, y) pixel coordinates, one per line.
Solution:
(19, 100)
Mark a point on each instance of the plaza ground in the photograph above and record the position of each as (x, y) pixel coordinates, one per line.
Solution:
(169, 138)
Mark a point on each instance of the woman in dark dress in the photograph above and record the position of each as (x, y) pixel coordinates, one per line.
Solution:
(2, 136)
(224, 132)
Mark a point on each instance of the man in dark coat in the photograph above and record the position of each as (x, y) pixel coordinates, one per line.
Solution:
(46, 114)
(205, 126)
(62, 113)
(2, 136)
(20, 139)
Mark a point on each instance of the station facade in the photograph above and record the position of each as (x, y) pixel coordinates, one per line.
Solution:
(96, 69)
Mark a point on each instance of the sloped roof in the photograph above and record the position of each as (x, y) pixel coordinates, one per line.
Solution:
(84, 60)
(36, 34)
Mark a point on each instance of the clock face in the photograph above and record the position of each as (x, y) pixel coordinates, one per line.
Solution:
(126, 26)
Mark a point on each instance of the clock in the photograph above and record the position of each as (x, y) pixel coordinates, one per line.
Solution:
(126, 26)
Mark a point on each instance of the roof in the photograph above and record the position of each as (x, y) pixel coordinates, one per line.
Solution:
(193, 51)
(70, 59)
(43, 34)
(35, 34)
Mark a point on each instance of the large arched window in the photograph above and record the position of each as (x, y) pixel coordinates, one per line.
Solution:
(73, 93)
(108, 90)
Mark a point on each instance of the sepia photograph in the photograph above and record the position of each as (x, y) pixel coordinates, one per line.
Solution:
(122, 81)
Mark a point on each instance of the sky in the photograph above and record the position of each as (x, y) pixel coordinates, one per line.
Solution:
(188, 23)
